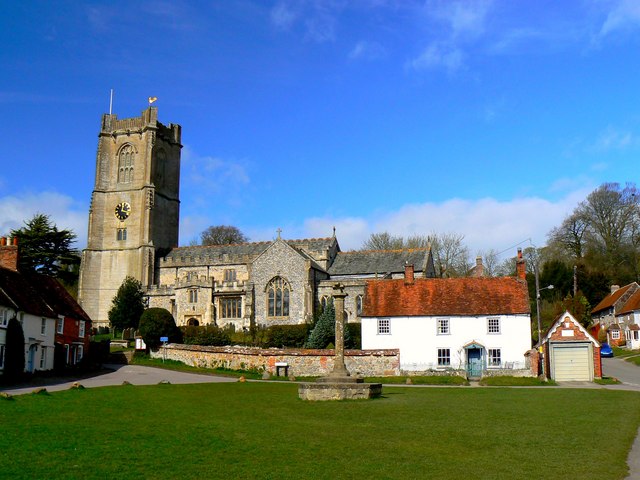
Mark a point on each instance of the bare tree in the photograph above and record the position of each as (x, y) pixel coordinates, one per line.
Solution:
(490, 262)
(222, 235)
(570, 236)
(383, 241)
(450, 255)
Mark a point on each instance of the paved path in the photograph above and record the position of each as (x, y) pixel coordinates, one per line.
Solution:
(117, 374)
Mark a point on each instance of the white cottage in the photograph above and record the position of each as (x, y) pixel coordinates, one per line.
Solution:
(471, 324)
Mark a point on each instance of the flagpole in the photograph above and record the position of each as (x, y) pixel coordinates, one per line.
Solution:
(111, 101)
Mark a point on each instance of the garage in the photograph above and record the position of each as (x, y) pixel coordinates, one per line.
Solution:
(571, 354)
(571, 362)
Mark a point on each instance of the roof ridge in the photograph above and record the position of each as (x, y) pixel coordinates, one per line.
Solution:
(418, 249)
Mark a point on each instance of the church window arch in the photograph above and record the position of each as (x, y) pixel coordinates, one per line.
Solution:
(278, 293)
(323, 302)
(126, 161)
(359, 305)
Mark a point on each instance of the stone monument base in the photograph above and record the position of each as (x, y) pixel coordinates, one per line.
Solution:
(345, 388)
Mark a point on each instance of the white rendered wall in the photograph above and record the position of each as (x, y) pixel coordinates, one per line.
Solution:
(32, 335)
(418, 339)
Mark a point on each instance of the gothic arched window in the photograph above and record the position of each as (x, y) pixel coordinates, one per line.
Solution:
(359, 305)
(278, 298)
(126, 159)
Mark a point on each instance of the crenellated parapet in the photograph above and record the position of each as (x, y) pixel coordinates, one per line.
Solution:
(148, 120)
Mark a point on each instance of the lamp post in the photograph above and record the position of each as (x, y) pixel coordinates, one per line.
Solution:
(538, 289)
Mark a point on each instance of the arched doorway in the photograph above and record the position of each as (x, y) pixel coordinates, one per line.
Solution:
(192, 322)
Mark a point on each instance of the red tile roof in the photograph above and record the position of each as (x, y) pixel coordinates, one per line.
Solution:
(632, 304)
(446, 296)
(609, 300)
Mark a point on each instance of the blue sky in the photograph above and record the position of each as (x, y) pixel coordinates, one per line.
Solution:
(490, 119)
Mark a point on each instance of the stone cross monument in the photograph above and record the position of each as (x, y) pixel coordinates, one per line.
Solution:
(339, 367)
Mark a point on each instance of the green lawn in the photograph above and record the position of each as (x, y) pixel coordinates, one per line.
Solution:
(262, 430)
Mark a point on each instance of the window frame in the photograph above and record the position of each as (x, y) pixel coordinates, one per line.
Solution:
(359, 306)
(193, 295)
(495, 329)
(494, 357)
(2, 349)
(383, 326)
(230, 275)
(43, 357)
(615, 334)
(278, 298)
(43, 326)
(4, 317)
(121, 234)
(60, 326)
(81, 329)
(444, 357)
(441, 323)
(229, 306)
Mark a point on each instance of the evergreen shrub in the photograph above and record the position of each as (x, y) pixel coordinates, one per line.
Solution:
(208, 335)
(287, 336)
(156, 323)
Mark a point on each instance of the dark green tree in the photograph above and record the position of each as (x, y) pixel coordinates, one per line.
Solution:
(156, 323)
(324, 332)
(14, 351)
(45, 249)
(127, 306)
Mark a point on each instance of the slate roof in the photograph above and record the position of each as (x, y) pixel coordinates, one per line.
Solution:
(446, 297)
(57, 297)
(612, 298)
(378, 261)
(251, 249)
(22, 294)
(632, 304)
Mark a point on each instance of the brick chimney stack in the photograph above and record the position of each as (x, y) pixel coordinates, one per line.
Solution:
(408, 274)
(9, 254)
(521, 272)
(478, 270)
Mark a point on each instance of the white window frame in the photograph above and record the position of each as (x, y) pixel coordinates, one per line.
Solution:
(60, 326)
(4, 317)
(43, 326)
(443, 326)
(494, 357)
(615, 334)
(79, 353)
(2, 357)
(43, 357)
(494, 329)
(384, 326)
(444, 357)
(81, 329)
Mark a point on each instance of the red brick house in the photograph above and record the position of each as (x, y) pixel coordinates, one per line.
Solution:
(571, 354)
(73, 326)
(606, 314)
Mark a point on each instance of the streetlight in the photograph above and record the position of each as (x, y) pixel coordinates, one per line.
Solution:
(538, 289)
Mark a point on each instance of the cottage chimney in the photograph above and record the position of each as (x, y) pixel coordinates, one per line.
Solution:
(521, 272)
(408, 273)
(478, 271)
(9, 254)
(615, 288)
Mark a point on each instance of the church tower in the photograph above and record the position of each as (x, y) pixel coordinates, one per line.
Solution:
(135, 206)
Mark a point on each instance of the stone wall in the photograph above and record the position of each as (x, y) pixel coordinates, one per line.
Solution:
(302, 363)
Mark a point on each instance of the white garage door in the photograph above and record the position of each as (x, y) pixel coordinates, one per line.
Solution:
(571, 363)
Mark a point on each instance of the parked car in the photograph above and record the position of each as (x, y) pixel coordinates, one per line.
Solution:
(605, 350)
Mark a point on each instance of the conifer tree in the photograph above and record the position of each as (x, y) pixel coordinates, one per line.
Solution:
(128, 305)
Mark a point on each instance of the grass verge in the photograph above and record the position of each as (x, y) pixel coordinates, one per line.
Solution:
(262, 430)
(419, 380)
(508, 381)
(146, 360)
(607, 381)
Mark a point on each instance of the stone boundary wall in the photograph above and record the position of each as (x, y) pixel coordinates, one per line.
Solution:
(301, 363)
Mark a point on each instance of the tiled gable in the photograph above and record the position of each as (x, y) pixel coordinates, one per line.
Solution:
(610, 300)
(632, 304)
(446, 297)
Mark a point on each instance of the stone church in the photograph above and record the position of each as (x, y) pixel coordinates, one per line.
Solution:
(133, 231)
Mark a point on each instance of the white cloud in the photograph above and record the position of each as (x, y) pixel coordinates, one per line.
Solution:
(364, 50)
(438, 55)
(464, 18)
(63, 211)
(614, 139)
(485, 223)
(625, 15)
(282, 16)
(212, 175)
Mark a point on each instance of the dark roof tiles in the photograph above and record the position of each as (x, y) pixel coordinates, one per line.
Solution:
(378, 261)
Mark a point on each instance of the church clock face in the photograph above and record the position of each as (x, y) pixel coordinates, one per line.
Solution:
(123, 209)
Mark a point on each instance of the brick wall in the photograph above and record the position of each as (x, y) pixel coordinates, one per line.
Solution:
(302, 363)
